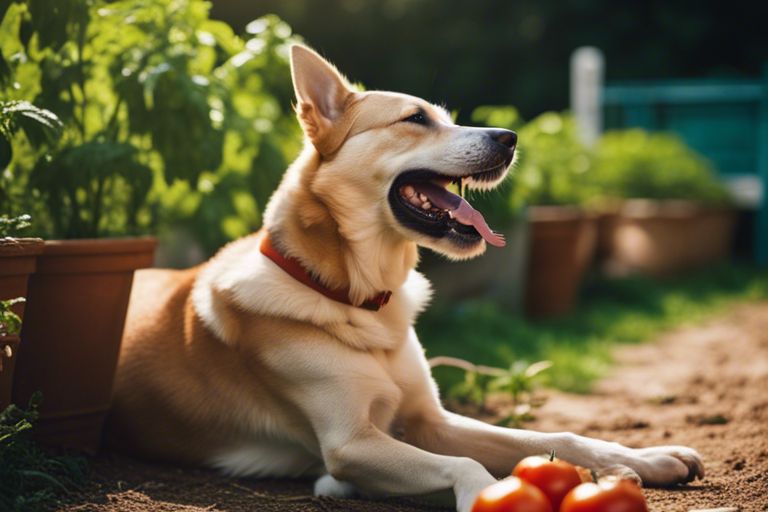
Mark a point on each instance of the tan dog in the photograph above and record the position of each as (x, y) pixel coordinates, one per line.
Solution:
(239, 365)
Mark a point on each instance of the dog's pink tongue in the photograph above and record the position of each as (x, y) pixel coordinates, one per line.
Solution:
(460, 210)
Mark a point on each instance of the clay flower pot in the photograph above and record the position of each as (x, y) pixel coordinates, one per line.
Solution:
(72, 331)
(562, 244)
(662, 238)
(18, 257)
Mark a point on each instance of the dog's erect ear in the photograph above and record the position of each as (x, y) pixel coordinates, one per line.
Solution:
(322, 95)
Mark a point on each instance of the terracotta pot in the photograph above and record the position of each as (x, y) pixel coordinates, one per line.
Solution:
(667, 237)
(18, 257)
(9, 349)
(71, 335)
(562, 245)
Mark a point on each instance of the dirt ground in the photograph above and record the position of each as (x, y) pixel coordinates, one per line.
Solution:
(703, 386)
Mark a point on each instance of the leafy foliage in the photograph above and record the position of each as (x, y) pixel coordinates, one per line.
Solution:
(10, 226)
(639, 164)
(30, 479)
(553, 162)
(517, 383)
(40, 126)
(169, 117)
(10, 323)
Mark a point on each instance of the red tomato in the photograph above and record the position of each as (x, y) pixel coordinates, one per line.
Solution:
(511, 495)
(554, 477)
(610, 495)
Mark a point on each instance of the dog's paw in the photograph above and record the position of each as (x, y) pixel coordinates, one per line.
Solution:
(665, 465)
(326, 485)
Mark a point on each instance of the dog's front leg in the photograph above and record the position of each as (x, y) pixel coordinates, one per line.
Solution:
(348, 403)
(499, 449)
(377, 463)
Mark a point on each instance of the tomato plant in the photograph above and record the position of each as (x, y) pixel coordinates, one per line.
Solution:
(553, 476)
(610, 495)
(511, 495)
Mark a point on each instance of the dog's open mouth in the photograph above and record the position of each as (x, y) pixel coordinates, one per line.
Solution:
(422, 201)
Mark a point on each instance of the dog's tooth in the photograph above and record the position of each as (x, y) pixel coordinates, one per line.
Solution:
(426, 205)
(423, 197)
(414, 200)
(408, 191)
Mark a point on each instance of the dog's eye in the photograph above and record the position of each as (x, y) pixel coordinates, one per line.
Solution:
(418, 118)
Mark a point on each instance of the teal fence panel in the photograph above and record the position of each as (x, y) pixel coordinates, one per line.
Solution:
(725, 120)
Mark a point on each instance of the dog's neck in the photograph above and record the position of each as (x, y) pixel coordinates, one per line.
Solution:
(304, 227)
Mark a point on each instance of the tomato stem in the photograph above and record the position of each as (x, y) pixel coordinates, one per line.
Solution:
(552, 456)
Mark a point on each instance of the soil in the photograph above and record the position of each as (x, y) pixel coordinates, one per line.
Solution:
(704, 386)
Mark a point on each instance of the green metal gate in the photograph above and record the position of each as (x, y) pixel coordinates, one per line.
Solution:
(725, 120)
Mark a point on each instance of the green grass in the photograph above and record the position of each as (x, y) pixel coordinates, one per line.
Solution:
(31, 479)
(630, 310)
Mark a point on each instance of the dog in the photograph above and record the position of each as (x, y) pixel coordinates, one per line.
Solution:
(292, 351)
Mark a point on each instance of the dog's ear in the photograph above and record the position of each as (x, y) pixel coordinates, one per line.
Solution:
(322, 96)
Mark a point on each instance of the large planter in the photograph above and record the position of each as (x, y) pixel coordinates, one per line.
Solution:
(561, 247)
(662, 238)
(498, 274)
(71, 334)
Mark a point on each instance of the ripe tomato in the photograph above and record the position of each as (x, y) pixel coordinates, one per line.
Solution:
(554, 477)
(609, 495)
(511, 495)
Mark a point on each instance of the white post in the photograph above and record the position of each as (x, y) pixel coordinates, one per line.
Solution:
(587, 66)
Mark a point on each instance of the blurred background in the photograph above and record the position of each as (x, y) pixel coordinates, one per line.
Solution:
(467, 54)
(638, 200)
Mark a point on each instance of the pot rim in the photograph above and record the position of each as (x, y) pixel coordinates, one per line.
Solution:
(668, 208)
(15, 247)
(122, 245)
(565, 213)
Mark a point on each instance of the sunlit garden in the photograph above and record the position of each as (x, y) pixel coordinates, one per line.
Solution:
(626, 301)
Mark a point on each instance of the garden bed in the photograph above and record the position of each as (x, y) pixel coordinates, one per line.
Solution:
(697, 386)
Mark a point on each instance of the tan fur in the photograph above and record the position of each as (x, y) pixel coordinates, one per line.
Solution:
(236, 365)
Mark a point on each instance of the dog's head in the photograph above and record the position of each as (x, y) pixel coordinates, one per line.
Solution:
(388, 159)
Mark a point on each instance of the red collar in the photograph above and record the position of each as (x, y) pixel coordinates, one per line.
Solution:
(293, 268)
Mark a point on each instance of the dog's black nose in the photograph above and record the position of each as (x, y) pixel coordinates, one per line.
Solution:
(504, 137)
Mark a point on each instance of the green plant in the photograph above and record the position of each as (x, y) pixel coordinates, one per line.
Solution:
(10, 226)
(553, 163)
(516, 383)
(40, 126)
(31, 479)
(168, 117)
(10, 323)
(639, 164)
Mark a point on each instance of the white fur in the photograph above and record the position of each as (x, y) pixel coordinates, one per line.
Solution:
(268, 457)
